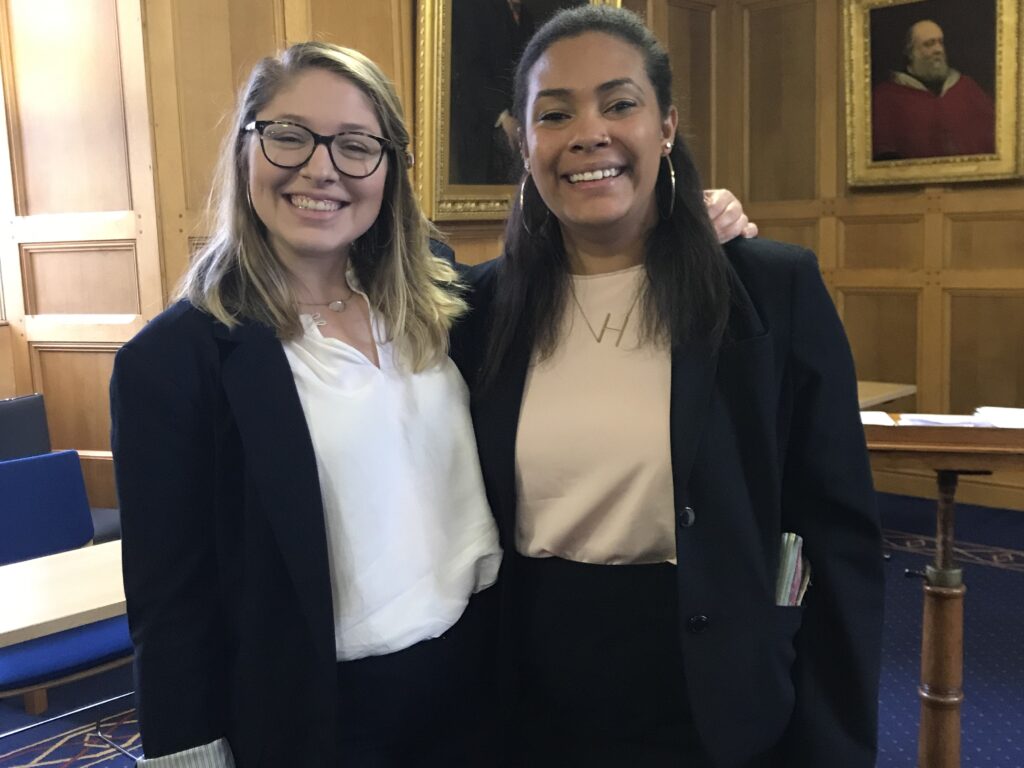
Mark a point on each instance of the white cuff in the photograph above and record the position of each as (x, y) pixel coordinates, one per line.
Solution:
(216, 754)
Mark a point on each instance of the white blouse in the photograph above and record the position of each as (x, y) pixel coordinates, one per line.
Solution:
(409, 533)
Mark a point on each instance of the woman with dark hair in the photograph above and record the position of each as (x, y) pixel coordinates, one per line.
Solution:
(655, 416)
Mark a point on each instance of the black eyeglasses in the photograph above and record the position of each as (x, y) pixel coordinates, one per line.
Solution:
(355, 154)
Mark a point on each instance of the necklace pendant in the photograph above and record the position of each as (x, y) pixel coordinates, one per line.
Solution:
(337, 305)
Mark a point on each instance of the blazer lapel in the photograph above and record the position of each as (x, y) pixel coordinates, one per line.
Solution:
(496, 416)
(281, 464)
(697, 369)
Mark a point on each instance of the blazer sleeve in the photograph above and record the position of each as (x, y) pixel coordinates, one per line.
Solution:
(828, 498)
(163, 412)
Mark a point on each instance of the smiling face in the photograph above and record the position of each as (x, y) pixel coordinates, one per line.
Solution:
(595, 136)
(314, 211)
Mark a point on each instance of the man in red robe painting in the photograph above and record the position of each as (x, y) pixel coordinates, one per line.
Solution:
(931, 109)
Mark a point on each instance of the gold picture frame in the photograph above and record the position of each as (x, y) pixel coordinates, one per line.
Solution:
(892, 154)
(441, 197)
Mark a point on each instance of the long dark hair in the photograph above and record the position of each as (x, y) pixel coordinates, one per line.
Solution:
(686, 293)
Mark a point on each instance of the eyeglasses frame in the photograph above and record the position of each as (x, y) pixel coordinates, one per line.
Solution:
(258, 126)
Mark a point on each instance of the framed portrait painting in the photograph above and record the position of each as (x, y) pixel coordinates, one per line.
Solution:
(466, 54)
(933, 91)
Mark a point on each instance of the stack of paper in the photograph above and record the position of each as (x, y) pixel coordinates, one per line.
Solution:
(941, 420)
(1012, 418)
(881, 418)
(794, 571)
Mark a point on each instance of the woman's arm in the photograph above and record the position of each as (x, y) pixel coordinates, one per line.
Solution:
(162, 408)
(828, 498)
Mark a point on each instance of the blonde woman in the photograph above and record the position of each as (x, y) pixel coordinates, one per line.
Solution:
(304, 518)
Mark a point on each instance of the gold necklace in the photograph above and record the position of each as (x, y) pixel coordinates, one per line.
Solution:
(598, 337)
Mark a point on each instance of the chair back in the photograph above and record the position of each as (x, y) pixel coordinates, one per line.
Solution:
(23, 430)
(43, 506)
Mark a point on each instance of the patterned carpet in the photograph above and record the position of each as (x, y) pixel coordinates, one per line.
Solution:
(991, 551)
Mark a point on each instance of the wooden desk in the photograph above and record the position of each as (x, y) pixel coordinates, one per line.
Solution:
(872, 393)
(50, 594)
(949, 452)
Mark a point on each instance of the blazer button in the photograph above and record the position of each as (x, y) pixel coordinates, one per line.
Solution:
(698, 624)
(686, 516)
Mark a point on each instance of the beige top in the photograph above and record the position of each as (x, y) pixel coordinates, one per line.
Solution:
(593, 461)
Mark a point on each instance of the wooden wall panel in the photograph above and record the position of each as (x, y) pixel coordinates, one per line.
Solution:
(216, 43)
(803, 233)
(7, 387)
(986, 351)
(98, 469)
(475, 242)
(779, 87)
(882, 243)
(691, 34)
(75, 381)
(65, 104)
(985, 241)
(870, 318)
(382, 29)
(93, 278)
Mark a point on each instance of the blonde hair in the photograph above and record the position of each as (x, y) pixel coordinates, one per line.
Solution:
(237, 276)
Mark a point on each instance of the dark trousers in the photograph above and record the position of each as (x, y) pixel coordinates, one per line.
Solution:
(429, 705)
(601, 680)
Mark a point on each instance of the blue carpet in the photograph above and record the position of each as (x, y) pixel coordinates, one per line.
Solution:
(990, 549)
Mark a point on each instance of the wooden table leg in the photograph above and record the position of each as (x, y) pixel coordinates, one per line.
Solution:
(942, 643)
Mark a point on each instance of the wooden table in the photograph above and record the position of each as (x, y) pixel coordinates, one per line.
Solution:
(872, 393)
(949, 452)
(50, 594)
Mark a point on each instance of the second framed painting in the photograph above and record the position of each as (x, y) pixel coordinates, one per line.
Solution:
(466, 53)
(933, 91)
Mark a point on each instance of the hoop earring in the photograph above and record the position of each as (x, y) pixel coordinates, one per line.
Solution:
(672, 188)
(522, 207)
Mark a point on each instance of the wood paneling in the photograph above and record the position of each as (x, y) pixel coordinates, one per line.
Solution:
(691, 35)
(803, 233)
(928, 280)
(94, 278)
(75, 380)
(986, 350)
(98, 469)
(985, 241)
(882, 243)
(65, 100)
(475, 243)
(216, 44)
(7, 388)
(780, 100)
(382, 29)
(882, 328)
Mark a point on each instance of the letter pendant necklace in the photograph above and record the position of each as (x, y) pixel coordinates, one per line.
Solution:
(599, 337)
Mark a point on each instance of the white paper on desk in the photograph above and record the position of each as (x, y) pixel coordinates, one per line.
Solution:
(878, 418)
(1012, 418)
(941, 420)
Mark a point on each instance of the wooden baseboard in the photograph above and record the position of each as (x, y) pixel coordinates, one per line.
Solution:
(1002, 490)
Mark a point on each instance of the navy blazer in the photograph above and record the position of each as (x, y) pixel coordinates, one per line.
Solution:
(225, 556)
(225, 553)
(765, 438)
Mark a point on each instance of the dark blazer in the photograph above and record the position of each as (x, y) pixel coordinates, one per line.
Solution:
(225, 556)
(765, 438)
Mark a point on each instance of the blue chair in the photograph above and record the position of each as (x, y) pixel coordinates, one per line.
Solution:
(23, 428)
(43, 511)
(24, 432)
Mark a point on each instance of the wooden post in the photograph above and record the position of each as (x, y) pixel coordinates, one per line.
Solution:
(942, 643)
